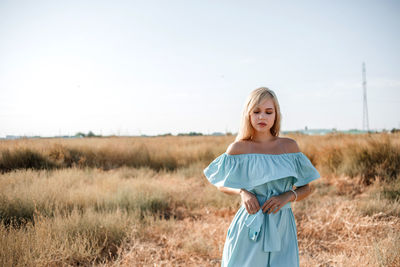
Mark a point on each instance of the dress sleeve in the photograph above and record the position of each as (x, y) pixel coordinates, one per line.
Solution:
(306, 172)
(224, 171)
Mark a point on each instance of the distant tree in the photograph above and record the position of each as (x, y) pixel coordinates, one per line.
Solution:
(79, 134)
(166, 134)
(189, 134)
(194, 134)
(91, 134)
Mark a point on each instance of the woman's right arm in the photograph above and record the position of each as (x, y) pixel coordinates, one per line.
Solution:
(250, 200)
(229, 191)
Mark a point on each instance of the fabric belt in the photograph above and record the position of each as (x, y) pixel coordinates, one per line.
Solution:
(261, 221)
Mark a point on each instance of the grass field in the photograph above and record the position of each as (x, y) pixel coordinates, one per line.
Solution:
(145, 202)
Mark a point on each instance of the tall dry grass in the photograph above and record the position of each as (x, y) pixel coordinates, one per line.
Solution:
(158, 153)
(370, 156)
(105, 204)
(84, 215)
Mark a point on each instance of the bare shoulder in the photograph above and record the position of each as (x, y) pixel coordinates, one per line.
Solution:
(237, 147)
(290, 145)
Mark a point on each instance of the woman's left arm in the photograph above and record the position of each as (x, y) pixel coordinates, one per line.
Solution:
(275, 203)
(302, 192)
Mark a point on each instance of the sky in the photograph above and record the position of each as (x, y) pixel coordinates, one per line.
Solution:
(154, 67)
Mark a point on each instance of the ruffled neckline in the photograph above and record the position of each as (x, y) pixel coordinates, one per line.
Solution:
(263, 154)
(252, 169)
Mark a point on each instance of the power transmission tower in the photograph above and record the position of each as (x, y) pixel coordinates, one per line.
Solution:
(365, 107)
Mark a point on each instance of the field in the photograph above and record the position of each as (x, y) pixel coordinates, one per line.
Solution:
(144, 201)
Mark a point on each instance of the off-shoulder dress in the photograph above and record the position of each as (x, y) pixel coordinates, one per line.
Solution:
(262, 239)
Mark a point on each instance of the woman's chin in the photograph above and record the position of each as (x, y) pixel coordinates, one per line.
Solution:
(263, 129)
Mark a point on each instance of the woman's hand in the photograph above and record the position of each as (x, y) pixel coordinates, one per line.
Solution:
(275, 203)
(250, 201)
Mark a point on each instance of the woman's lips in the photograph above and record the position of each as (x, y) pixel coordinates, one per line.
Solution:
(262, 124)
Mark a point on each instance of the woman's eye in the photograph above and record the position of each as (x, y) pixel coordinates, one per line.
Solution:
(256, 112)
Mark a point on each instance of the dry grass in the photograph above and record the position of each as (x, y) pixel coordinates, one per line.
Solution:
(85, 216)
(126, 213)
(77, 238)
(109, 153)
(339, 233)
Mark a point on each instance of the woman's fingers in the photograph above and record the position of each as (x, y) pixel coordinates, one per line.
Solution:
(256, 205)
(270, 206)
(273, 204)
(252, 206)
(249, 207)
(266, 203)
(265, 209)
(278, 207)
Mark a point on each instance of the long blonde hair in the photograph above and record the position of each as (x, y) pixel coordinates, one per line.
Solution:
(246, 130)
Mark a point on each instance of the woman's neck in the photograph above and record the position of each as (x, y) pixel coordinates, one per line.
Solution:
(265, 138)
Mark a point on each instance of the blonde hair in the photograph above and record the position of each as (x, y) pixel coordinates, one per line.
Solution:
(246, 130)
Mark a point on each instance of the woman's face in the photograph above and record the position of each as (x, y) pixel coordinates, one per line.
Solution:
(262, 117)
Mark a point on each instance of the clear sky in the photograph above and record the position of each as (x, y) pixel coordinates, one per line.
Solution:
(153, 67)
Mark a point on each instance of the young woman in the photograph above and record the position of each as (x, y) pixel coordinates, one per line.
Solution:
(262, 168)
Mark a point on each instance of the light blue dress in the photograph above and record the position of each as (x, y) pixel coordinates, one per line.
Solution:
(261, 239)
